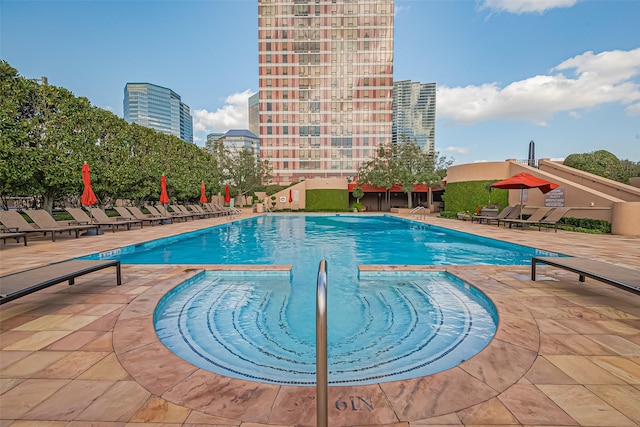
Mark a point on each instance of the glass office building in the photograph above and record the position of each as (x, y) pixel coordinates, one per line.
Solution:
(325, 85)
(158, 108)
(414, 113)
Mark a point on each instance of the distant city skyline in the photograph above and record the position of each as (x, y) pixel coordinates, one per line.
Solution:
(158, 108)
(564, 73)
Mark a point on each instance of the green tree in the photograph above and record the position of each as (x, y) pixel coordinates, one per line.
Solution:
(379, 171)
(405, 164)
(242, 169)
(358, 193)
(51, 130)
(601, 163)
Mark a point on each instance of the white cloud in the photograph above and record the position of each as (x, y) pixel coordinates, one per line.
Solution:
(634, 110)
(234, 114)
(456, 150)
(525, 6)
(401, 9)
(607, 77)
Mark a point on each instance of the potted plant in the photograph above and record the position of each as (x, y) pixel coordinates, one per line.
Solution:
(490, 210)
(357, 206)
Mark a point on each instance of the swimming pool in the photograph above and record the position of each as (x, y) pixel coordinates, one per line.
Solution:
(385, 327)
(382, 327)
(343, 240)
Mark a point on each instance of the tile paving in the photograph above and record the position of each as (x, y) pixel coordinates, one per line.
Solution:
(565, 353)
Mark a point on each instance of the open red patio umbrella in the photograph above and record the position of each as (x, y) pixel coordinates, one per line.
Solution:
(164, 197)
(203, 194)
(227, 198)
(523, 181)
(88, 196)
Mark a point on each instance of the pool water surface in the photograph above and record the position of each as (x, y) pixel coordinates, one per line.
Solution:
(382, 327)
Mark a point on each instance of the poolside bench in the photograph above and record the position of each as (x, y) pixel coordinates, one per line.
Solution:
(622, 277)
(16, 285)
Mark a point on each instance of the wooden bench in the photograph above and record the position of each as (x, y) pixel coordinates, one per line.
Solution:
(16, 285)
(622, 277)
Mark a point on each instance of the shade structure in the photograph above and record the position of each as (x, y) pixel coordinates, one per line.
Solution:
(164, 197)
(290, 196)
(227, 198)
(524, 181)
(88, 196)
(203, 194)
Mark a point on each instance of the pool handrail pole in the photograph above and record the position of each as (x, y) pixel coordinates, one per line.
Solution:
(322, 379)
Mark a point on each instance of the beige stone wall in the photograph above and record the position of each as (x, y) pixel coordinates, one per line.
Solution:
(626, 219)
(484, 171)
(618, 190)
(586, 195)
(298, 192)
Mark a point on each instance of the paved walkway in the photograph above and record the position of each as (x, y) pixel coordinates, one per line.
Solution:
(566, 353)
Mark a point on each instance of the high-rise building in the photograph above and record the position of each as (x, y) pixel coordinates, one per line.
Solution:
(239, 139)
(414, 113)
(212, 138)
(325, 84)
(254, 113)
(158, 108)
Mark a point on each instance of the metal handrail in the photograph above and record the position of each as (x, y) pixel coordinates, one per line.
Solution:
(322, 379)
(417, 208)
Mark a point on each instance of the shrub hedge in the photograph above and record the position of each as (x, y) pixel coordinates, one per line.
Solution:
(327, 200)
(467, 196)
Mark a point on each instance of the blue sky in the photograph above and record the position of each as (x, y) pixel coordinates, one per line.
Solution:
(563, 73)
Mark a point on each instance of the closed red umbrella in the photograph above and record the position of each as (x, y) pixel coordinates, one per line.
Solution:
(88, 196)
(290, 196)
(203, 195)
(227, 198)
(164, 197)
(524, 181)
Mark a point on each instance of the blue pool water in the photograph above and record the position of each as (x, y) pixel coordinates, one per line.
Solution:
(382, 326)
(385, 327)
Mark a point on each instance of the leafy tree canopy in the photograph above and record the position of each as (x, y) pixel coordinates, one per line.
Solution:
(604, 164)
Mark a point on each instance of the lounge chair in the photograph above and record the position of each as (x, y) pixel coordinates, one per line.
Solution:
(133, 212)
(105, 219)
(81, 217)
(44, 221)
(535, 218)
(501, 215)
(163, 211)
(196, 211)
(214, 209)
(553, 218)
(11, 233)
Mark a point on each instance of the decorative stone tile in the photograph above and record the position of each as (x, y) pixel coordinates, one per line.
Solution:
(623, 398)
(544, 372)
(108, 368)
(346, 406)
(27, 395)
(31, 364)
(491, 412)
(437, 394)
(583, 370)
(119, 403)
(72, 365)
(584, 406)
(225, 397)
(68, 402)
(157, 411)
(500, 364)
(531, 406)
(621, 367)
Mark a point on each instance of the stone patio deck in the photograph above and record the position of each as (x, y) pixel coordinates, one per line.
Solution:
(566, 353)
